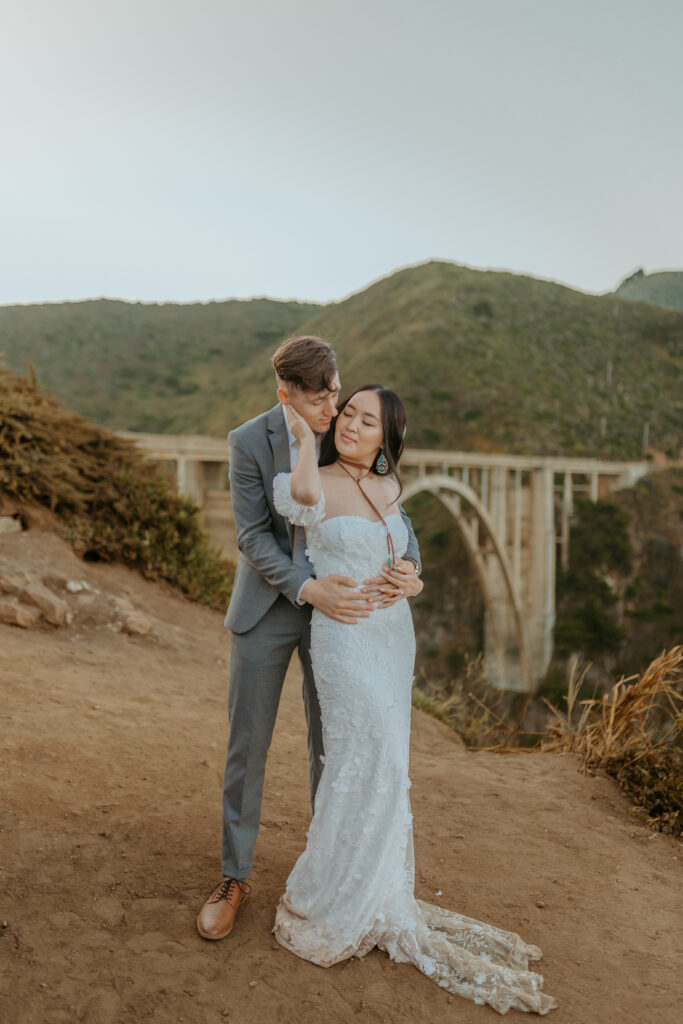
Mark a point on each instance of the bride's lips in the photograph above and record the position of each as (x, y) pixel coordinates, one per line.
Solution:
(347, 439)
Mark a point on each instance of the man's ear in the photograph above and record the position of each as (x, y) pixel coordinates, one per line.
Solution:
(282, 395)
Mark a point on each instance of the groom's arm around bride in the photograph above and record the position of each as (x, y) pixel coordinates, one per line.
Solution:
(266, 568)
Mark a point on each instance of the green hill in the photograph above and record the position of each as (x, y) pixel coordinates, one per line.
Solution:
(662, 289)
(144, 366)
(496, 361)
(484, 360)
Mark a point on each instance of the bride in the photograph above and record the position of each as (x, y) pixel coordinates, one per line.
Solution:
(353, 886)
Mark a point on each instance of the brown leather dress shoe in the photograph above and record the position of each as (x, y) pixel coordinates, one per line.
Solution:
(218, 914)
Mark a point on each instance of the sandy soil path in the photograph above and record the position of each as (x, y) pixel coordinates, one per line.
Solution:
(113, 751)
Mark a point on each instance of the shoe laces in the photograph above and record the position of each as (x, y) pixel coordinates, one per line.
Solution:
(226, 887)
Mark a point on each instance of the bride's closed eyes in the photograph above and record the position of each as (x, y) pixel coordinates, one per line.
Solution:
(348, 413)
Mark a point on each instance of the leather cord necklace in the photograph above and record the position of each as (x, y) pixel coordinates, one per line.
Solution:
(391, 555)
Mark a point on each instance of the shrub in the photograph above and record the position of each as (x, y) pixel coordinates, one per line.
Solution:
(113, 503)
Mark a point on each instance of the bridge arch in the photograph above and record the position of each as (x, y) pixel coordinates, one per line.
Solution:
(448, 490)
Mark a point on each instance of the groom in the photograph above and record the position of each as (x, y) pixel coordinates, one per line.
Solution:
(270, 608)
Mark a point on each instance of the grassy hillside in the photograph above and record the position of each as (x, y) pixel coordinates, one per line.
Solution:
(145, 366)
(661, 289)
(484, 360)
(495, 361)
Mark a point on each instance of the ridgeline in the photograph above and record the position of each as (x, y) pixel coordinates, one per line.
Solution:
(664, 288)
(484, 360)
(145, 366)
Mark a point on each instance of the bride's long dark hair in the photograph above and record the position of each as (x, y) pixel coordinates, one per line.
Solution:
(393, 416)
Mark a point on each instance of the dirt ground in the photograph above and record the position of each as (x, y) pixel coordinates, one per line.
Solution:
(113, 751)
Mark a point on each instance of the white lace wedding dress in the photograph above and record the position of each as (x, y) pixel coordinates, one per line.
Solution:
(353, 886)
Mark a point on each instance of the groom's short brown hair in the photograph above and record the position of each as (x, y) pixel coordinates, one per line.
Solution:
(307, 362)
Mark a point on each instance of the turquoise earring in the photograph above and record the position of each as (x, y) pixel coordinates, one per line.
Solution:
(382, 466)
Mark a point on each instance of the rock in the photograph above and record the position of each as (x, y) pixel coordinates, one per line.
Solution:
(53, 608)
(123, 604)
(55, 581)
(17, 614)
(76, 586)
(137, 624)
(8, 524)
(12, 582)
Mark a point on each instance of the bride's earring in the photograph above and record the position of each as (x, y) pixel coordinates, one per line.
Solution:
(382, 466)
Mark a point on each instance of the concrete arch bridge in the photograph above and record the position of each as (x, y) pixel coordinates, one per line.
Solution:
(512, 511)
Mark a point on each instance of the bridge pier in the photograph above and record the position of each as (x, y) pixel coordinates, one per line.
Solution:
(539, 592)
(200, 462)
(190, 480)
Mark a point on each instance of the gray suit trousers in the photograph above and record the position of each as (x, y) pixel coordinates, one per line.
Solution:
(258, 664)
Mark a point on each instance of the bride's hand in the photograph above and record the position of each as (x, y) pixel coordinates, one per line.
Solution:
(298, 425)
(394, 584)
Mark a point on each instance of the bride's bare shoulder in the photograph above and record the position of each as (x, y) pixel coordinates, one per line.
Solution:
(329, 479)
(392, 488)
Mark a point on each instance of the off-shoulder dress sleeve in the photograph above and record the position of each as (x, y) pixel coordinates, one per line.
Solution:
(300, 515)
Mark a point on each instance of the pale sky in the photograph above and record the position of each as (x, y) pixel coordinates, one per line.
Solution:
(166, 150)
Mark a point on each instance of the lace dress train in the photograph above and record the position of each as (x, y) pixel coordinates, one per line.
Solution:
(353, 886)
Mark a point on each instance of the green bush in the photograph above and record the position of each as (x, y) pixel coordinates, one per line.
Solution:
(113, 503)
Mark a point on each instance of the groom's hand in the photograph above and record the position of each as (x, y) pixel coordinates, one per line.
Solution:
(335, 597)
(394, 584)
(298, 425)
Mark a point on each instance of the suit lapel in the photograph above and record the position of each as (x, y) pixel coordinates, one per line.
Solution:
(279, 443)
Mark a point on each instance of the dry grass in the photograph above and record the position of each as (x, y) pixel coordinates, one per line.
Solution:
(634, 733)
(479, 713)
(623, 720)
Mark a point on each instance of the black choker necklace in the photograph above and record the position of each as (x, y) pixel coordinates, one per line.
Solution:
(356, 465)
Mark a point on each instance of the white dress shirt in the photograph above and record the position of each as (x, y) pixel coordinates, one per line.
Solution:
(299, 556)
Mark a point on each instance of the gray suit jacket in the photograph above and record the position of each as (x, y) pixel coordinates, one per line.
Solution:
(259, 450)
